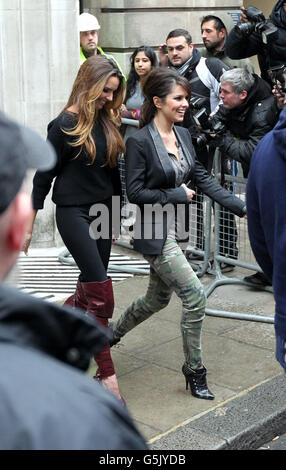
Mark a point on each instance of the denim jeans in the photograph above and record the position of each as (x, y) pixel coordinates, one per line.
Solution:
(170, 272)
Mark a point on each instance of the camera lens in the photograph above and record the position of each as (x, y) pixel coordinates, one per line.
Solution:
(245, 28)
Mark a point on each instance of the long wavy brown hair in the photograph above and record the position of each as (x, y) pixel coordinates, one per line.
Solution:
(87, 88)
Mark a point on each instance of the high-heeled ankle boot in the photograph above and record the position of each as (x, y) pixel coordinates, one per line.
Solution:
(198, 382)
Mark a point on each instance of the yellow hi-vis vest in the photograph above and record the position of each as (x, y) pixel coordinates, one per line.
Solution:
(83, 58)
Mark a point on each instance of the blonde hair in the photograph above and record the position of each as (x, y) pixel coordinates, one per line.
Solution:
(87, 88)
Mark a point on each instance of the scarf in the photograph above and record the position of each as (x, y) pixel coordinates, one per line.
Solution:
(191, 62)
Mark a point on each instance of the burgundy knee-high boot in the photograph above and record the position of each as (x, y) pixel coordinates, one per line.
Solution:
(78, 299)
(100, 304)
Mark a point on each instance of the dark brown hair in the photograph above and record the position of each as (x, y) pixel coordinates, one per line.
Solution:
(180, 32)
(160, 82)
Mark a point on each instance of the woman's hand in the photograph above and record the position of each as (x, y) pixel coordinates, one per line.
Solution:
(124, 112)
(129, 113)
(26, 242)
(190, 192)
(29, 233)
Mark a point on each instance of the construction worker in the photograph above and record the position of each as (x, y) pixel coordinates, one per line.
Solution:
(89, 28)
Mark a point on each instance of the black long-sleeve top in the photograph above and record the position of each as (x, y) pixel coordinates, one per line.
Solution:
(76, 181)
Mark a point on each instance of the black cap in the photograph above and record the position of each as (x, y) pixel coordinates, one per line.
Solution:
(20, 149)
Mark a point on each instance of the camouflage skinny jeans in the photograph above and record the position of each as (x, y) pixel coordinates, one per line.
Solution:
(170, 272)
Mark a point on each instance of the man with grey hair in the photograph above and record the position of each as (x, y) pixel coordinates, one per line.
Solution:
(248, 112)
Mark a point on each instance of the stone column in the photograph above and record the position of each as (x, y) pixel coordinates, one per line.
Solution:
(127, 24)
(39, 53)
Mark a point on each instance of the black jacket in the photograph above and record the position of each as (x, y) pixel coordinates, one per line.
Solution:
(76, 181)
(150, 180)
(248, 123)
(239, 47)
(46, 400)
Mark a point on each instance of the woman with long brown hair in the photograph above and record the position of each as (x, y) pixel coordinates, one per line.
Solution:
(87, 142)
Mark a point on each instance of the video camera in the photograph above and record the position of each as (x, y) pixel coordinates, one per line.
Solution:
(203, 126)
(257, 23)
(278, 77)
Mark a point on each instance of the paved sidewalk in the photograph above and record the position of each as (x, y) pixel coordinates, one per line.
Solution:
(249, 385)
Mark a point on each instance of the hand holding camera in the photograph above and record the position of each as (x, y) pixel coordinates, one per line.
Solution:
(243, 18)
(253, 20)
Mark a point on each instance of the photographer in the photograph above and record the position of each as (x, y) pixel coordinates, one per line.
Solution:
(248, 112)
(247, 39)
(214, 31)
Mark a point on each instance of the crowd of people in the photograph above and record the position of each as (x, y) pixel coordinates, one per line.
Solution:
(164, 167)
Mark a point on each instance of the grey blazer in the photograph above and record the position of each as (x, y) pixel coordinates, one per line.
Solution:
(150, 183)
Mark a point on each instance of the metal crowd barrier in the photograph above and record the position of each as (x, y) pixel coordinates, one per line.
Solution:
(128, 209)
(244, 257)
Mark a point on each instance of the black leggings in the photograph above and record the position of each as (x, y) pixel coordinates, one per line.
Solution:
(90, 255)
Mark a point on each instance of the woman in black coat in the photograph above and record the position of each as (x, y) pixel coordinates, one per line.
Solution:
(161, 166)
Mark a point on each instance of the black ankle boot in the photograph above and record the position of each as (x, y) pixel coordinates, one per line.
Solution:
(198, 382)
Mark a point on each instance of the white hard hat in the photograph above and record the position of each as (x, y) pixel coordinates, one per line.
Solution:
(88, 22)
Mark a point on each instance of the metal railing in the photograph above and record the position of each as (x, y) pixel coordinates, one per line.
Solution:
(240, 257)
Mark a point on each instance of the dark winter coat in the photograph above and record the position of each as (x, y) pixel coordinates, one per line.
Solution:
(266, 209)
(248, 123)
(240, 47)
(46, 400)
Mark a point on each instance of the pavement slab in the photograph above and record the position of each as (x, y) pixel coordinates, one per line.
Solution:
(249, 385)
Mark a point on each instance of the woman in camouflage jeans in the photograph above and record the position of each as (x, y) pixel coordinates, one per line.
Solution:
(160, 166)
